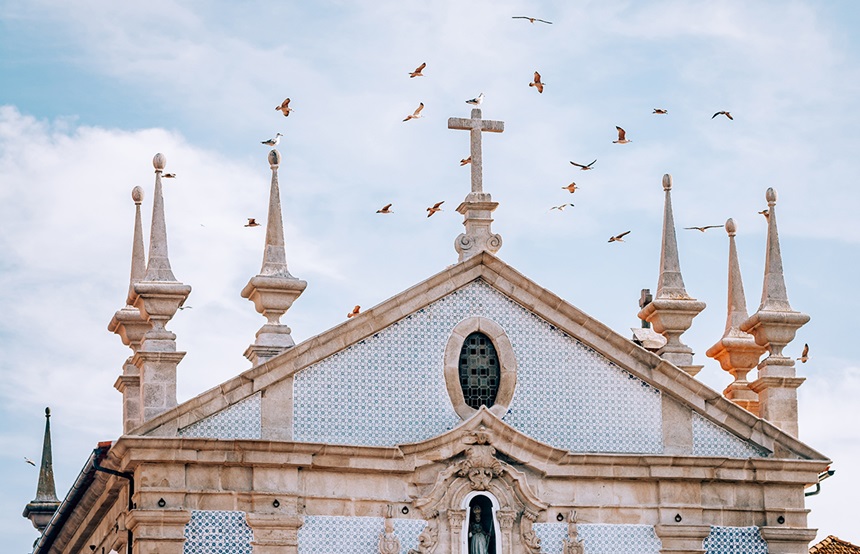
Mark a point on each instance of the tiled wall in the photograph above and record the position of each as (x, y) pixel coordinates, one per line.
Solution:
(239, 421)
(709, 439)
(599, 538)
(217, 532)
(354, 535)
(735, 540)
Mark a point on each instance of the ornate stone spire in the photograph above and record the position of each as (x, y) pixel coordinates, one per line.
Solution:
(130, 325)
(672, 310)
(478, 206)
(737, 351)
(40, 510)
(774, 326)
(159, 296)
(274, 290)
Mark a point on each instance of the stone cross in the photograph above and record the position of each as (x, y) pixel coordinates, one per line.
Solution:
(476, 126)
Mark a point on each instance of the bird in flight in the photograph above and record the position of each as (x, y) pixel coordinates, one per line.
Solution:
(537, 84)
(804, 356)
(418, 70)
(584, 167)
(765, 212)
(531, 19)
(186, 307)
(354, 312)
(571, 188)
(560, 208)
(619, 237)
(386, 209)
(416, 114)
(252, 222)
(660, 111)
(169, 175)
(29, 461)
(622, 136)
(434, 208)
(703, 229)
(727, 114)
(477, 100)
(284, 107)
(466, 161)
(273, 141)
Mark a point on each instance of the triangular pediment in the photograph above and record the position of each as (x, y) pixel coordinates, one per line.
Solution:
(481, 284)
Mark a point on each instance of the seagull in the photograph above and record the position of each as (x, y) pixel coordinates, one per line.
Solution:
(29, 461)
(185, 307)
(418, 70)
(273, 141)
(476, 101)
(804, 356)
(537, 84)
(571, 188)
(622, 136)
(354, 312)
(531, 19)
(765, 212)
(560, 208)
(727, 114)
(619, 237)
(169, 175)
(584, 167)
(416, 114)
(660, 111)
(466, 161)
(386, 209)
(252, 222)
(435, 208)
(705, 228)
(284, 107)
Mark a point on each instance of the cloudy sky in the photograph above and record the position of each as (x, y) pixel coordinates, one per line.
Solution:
(92, 90)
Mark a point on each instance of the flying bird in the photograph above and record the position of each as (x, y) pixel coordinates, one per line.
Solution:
(29, 461)
(703, 229)
(418, 70)
(354, 312)
(284, 107)
(416, 114)
(531, 19)
(434, 208)
(273, 141)
(584, 167)
(619, 237)
(466, 161)
(386, 209)
(765, 212)
(185, 307)
(252, 222)
(804, 356)
(622, 136)
(660, 111)
(476, 101)
(560, 208)
(571, 188)
(169, 175)
(727, 114)
(537, 84)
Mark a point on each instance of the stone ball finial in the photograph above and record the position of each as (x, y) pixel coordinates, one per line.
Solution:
(137, 195)
(731, 228)
(274, 158)
(47, 412)
(667, 182)
(159, 161)
(770, 196)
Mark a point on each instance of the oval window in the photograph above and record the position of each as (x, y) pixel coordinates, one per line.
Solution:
(479, 371)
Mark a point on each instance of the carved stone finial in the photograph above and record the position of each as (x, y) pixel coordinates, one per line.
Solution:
(159, 161)
(572, 543)
(274, 158)
(41, 509)
(388, 541)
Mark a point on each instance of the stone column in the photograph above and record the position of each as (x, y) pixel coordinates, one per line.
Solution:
(455, 525)
(158, 531)
(275, 533)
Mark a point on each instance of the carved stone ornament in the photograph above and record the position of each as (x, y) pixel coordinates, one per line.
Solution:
(531, 541)
(388, 541)
(572, 543)
(429, 537)
(480, 465)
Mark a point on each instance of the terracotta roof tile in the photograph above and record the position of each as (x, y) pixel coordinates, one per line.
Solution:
(834, 545)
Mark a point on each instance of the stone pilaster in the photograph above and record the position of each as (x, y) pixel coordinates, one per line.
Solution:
(672, 310)
(682, 539)
(774, 325)
(737, 351)
(158, 531)
(275, 533)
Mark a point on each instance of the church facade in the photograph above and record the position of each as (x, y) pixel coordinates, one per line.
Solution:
(474, 413)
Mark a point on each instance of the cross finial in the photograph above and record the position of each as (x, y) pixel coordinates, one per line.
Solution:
(475, 125)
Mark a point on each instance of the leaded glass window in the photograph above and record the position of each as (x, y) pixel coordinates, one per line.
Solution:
(479, 371)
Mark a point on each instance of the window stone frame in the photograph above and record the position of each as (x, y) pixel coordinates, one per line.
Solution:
(507, 365)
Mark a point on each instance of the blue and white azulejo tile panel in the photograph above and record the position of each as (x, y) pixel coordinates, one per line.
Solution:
(601, 538)
(734, 540)
(709, 439)
(390, 389)
(355, 535)
(217, 532)
(242, 420)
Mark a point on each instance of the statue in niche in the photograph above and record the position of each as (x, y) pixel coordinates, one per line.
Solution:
(481, 529)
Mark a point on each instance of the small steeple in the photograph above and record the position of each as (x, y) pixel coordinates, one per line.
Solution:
(40, 510)
(274, 290)
(737, 351)
(774, 325)
(158, 268)
(672, 310)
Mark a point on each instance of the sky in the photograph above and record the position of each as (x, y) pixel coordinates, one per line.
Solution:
(91, 90)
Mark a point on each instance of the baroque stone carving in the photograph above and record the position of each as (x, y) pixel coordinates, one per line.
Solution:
(530, 539)
(480, 465)
(429, 537)
(572, 543)
(388, 541)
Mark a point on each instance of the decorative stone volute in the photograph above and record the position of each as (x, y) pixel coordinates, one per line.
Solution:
(737, 351)
(41, 509)
(274, 290)
(672, 310)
